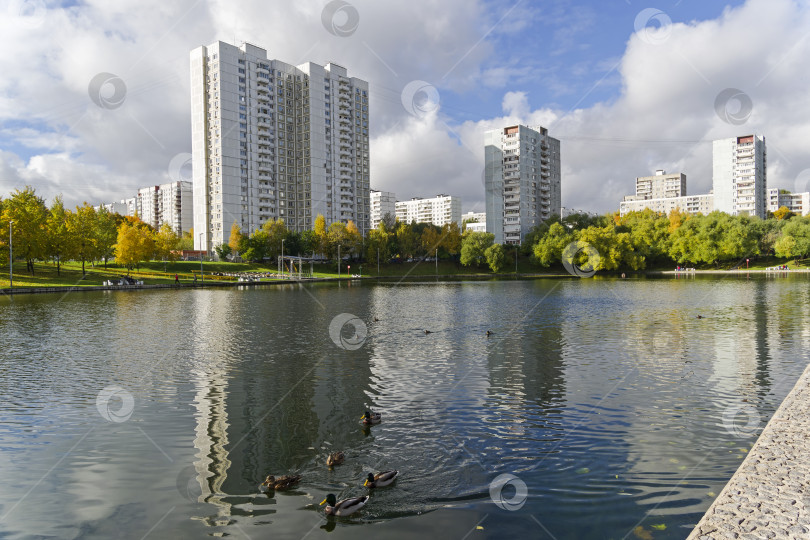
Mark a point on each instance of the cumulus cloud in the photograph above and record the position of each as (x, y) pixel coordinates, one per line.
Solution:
(56, 137)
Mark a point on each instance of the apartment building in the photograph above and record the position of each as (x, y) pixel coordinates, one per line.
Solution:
(798, 203)
(692, 204)
(739, 175)
(272, 140)
(170, 203)
(382, 203)
(439, 210)
(522, 178)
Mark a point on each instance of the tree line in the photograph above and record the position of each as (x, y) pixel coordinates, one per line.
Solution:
(634, 241)
(85, 234)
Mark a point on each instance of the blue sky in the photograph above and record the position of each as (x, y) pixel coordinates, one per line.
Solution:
(624, 100)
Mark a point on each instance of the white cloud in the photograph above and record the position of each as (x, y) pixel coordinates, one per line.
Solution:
(667, 92)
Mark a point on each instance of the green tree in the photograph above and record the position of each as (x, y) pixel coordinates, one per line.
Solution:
(84, 228)
(276, 231)
(223, 250)
(474, 246)
(308, 242)
(377, 240)
(354, 240)
(187, 240)
(451, 239)
(795, 241)
(548, 250)
(106, 234)
(30, 216)
(59, 240)
(430, 239)
(496, 257)
(166, 241)
(337, 237)
(407, 240)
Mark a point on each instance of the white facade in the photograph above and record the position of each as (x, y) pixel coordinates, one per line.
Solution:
(692, 204)
(440, 210)
(523, 180)
(798, 203)
(476, 226)
(271, 140)
(146, 205)
(739, 175)
(125, 207)
(661, 185)
(475, 217)
(382, 203)
(167, 203)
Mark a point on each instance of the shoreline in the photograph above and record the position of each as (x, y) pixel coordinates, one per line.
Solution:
(442, 277)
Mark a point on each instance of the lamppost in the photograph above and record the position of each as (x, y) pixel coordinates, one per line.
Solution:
(282, 258)
(10, 256)
(437, 261)
(378, 262)
(202, 276)
(338, 261)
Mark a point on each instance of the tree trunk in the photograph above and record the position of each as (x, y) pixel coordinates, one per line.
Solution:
(58, 265)
(83, 272)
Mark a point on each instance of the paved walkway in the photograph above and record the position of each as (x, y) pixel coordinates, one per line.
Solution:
(769, 495)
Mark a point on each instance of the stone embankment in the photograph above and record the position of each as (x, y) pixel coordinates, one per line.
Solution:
(769, 495)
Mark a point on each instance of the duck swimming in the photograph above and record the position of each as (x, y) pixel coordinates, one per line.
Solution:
(280, 483)
(345, 507)
(385, 478)
(371, 418)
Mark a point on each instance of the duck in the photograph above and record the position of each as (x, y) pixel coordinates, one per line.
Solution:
(376, 319)
(335, 458)
(489, 333)
(428, 332)
(385, 478)
(371, 418)
(345, 507)
(700, 316)
(282, 482)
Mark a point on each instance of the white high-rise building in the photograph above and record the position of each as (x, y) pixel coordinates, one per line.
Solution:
(167, 203)
(523, 180)
(661, 185)
(439, 210)
(739, 175)
(798, 203)
(382, 203)
(272, 140)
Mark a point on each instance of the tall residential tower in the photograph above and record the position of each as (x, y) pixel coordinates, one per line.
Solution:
(522, 179)
(271, 140)
(739, 175)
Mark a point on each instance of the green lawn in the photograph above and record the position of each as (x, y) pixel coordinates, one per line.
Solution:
(156, 272)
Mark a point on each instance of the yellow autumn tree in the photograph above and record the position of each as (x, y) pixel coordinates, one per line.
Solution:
(135, 244)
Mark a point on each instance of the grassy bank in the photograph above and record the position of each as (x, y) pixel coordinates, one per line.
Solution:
(158, 272)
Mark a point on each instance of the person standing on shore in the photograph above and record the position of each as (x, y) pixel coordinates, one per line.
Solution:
(176, 279)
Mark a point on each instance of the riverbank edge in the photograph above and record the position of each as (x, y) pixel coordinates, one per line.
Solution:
(769, 494)
(443, 277)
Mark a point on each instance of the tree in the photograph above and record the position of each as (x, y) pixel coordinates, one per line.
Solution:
(320, 234)
(106, 234)
(431, 239)
(354, 240)
(235, 238)
(390, 221)
(549, 248)
(406, 240)
(337, 237)
(308, 242)
(187, 240)
(377, 245)
(496, 257)
(254, 248)
(59, 240)
(135, 244)
(474, 246)
(166, 241)
(783, 213)
(276, 231)
(223, 251)
(29, 214)
(451, 239)
(795, 241)
(83, 226)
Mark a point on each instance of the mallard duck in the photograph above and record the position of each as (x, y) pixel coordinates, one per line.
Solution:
(489, 333)
(382, 479)
(428, 332)
(345, 507)
(282, 482)
(371, 418)
(335, 458)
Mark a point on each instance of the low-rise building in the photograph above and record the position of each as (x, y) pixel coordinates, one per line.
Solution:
(798, 203)
(439, 210)
(692, 204)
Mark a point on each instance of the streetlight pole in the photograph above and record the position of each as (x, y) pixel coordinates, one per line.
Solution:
(338, 261)
(202, 276)
(10, 256)
(282, 258)
(437, 261)
(378, 262)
